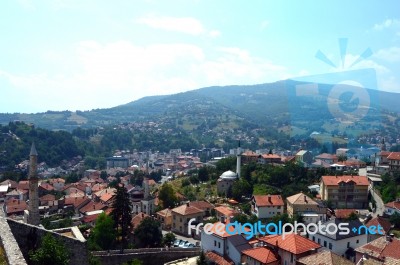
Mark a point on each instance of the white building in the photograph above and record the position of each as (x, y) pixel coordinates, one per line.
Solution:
(342, 245)
(267, 206)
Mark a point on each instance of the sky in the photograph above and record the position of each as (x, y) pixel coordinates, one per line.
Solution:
(87, 54)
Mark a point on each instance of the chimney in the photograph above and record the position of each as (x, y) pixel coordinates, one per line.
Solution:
(269, 199)
(187, 204)
(305, 198)
(222, 219)
(94, 206)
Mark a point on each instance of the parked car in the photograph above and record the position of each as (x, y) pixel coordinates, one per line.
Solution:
(187, 244)
(177, 242)
(182, 243)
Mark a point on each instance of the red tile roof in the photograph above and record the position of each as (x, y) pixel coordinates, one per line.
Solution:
(394, 156)
(344, 213)
(292, 243)
(90, 218)
(187, 210)
(334, 180)
(47, 197)
(270, 156)
(92, 206)
(326, 156)
(15, 206)
(202, 205)
(262, 254)
(268, 200)
(393, 204)
(226, 211)
(137, 219)
(46, 186)
(77, 202)
(217, 259)
(384, 223)
(106, 197)
(381, 248)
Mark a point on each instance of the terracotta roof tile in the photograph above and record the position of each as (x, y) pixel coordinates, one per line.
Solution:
(301, 198)
(202, 205)
(334, 180)
(268, 200)
(217, 259)
(226, 211)
(344, 213)
(292, 243)
(394, 156)
(262, 254)
(381, 248)
(324, 258)
(92, 206)
(186, 210)
(384, 223)
(137, 219)
(393, 204)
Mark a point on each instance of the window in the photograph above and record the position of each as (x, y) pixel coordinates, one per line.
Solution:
(348, 244)
(319, 241)
(358, 241)
(215, 243)
(219, 244)
(324, 243)
(313, 238)
(330, 246)
(291, 257)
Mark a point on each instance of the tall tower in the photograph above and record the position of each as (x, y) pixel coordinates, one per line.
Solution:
(238, 160)
(33, 217)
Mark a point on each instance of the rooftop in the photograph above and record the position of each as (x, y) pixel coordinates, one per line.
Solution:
(292, 243)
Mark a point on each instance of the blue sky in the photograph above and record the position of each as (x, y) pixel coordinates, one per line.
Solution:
(67, 54)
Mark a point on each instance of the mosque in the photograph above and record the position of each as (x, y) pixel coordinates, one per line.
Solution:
(226, 180)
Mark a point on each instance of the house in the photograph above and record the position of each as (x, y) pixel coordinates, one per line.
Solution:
(324, 257)
(392, 207)
(181, 216)
(225, 245)
(327, 158)
(15, 207)
(206, 207)
(214, 258)
(304, 157)
(382, 251)
(91, 207)
(342, 244)
(45, 188)
(291, 248)
(259, 256)
(394, 162)
(58, 183)
(18, 194)
(345, 191)
(376, 222)
(136, 220)
(225, 182)
(269, 159)
(267, 206)
(225, 212)
(165, 218)
(75, 203)
(310, 210)
(3, 192)
(49, 200)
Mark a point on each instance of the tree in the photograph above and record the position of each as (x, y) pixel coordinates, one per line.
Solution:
(241, 188)
(395, 220)
(148, 233)
(167, 196)
(169, 239)
(203, 174)
(201, 260)
(121, 213)
(51, 252)
(103, 234)
(352, 216)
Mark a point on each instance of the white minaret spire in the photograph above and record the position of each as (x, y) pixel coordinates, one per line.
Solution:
(238, 160)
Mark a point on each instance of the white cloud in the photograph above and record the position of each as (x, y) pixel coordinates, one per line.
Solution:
(119, 72)
(185, 24)
(391, 54)
(387, 24)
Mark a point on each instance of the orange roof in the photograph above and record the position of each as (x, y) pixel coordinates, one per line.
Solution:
(46, 186)
(326, 156)
(384, 223)
(15, 206)
(394, 156)
(334, 180)
(202, 205)
(226, 211)
(301, 199)
(268, 200)
(92, 206)
(250, 153)
(106, 197)
(344, 213)
(382, 249)
(262, 254)
(165, 213)
(48, 197)
(137, 219)
(271, 156)
(90, 218)
(394, 205)
(217, 259)
(76, 201)
(186, 210)
(292, 243)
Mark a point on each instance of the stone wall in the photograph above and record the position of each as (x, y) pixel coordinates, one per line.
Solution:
(150, 256)
(13, 253)
(28, 237)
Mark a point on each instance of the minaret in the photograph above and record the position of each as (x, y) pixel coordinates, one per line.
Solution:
(33, 207)
(238, 160)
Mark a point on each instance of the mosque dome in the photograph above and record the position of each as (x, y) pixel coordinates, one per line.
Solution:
(228, 175)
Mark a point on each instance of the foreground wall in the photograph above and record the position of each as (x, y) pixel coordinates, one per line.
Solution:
(28, 237)
(7, 241)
